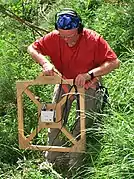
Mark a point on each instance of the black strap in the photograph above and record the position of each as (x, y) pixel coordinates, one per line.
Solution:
(105, 96)
(64, 116)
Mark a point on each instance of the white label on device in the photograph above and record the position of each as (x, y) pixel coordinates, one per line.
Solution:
(47, 116)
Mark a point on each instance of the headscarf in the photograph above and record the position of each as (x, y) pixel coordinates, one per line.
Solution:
(67, 22)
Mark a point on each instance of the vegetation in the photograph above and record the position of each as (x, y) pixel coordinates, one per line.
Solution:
(110, 152)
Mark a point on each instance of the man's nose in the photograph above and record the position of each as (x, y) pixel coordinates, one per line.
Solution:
(66, 39)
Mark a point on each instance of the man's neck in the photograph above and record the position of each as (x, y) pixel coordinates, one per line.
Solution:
(73, 43)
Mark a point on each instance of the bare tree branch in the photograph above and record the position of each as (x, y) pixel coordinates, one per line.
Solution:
(22, 21)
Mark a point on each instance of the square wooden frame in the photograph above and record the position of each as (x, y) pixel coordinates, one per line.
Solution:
(26, 142)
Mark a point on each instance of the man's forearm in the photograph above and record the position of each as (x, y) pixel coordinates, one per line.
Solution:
(38, 57)
(105, 68)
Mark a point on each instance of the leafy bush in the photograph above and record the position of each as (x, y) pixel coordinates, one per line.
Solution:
(114, 158)
(115, 23)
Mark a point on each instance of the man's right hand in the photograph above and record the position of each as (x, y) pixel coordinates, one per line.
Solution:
(48, 69)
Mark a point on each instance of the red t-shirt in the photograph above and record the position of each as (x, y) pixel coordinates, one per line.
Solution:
(90, 51)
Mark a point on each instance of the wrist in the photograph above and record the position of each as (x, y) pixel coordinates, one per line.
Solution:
(87, 77)
(91, 74)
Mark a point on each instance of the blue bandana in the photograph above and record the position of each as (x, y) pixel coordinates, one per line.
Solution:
(67, 22)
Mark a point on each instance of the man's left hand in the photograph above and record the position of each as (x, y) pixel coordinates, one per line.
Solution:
(81, 79)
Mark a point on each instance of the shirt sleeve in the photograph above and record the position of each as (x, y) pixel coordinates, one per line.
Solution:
(44, 45)
(104, 52)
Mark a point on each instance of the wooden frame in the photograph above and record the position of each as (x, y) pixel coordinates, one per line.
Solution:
(26, 142)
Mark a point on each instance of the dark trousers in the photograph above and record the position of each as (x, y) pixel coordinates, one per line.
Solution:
(93, 103)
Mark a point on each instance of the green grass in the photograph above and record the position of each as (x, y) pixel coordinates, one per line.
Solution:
(110, 146)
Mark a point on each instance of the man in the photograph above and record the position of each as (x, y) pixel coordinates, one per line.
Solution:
(77, 53)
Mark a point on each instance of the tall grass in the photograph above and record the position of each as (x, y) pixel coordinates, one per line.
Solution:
(115, 158)
(110, 153)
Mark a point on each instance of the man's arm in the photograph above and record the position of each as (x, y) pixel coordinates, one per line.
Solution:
(104, 69)
(42, 60)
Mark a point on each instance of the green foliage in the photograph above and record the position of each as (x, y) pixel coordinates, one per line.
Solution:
(8, 136)
(124, 99)
(27, 169)
(110, 147)
(116, 157)
(115, 23)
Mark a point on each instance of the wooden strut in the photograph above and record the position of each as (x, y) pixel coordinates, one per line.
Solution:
(26, 142)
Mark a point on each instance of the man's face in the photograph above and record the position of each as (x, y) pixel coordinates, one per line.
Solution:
(70, 36)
